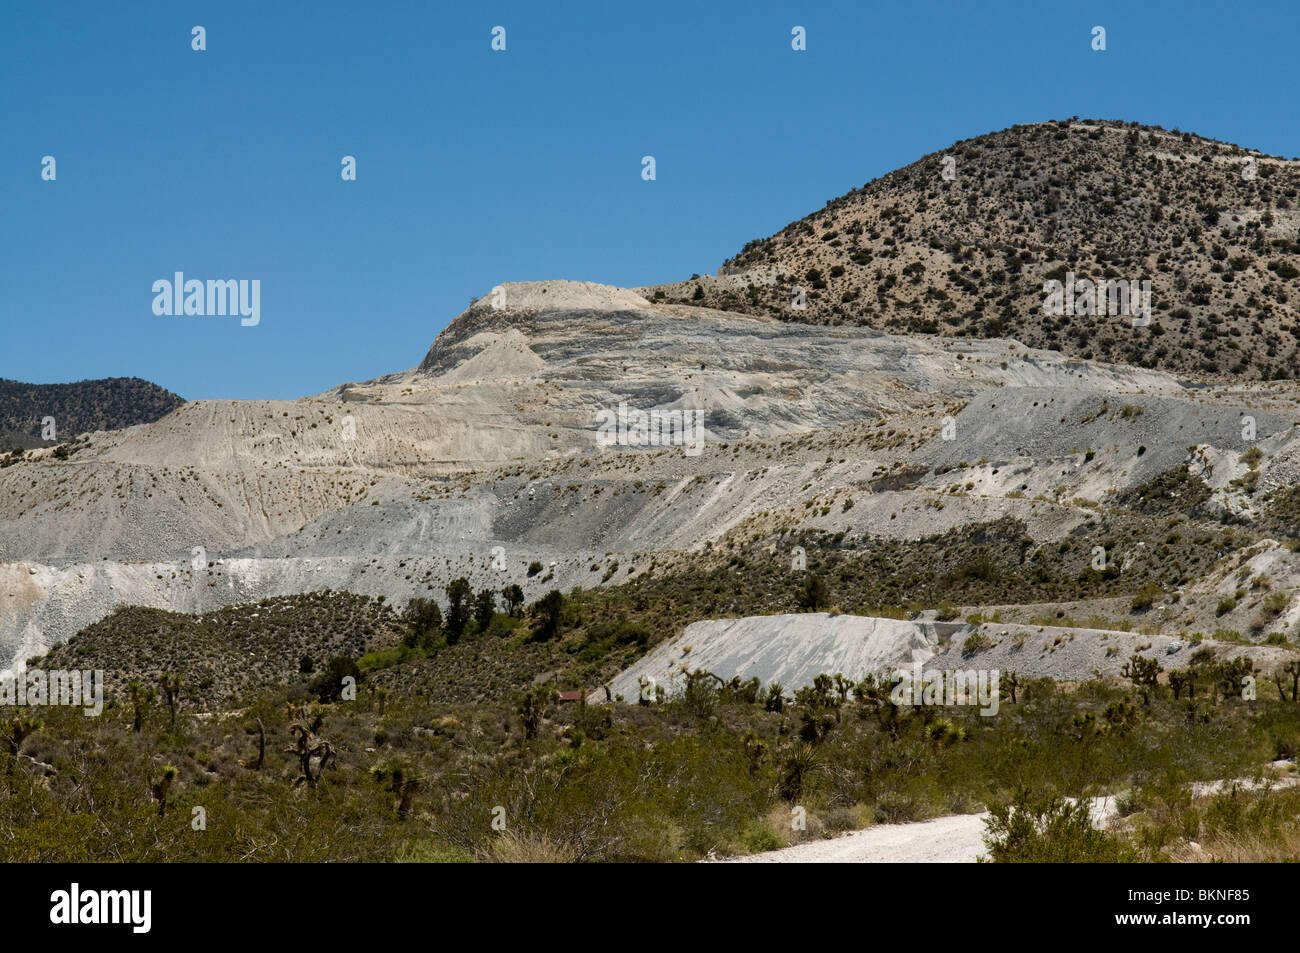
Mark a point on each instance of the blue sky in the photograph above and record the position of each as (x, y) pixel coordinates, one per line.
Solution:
(475, 167)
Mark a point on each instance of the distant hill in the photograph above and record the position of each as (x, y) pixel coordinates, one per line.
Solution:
(107, 404)
(1214, 227)
(228, 653)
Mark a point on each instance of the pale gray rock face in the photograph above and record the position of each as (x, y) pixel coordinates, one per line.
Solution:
(789, 649)
(397, 485)
(793, 650)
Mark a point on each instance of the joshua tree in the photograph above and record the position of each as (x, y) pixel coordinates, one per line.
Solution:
(799, 763)
(1011, 682)
(1144, 673)
(1180, 679)
(815, 725)
(745, 692)
(842, 688)
(774, 701)
(400, 782)
(162, 786)
(1085, 725)
(531, 710)
(314, 753)
(876, 697)
(1230, 674)
(1120, 716)
(171, 687)
(1291, 668)
(141, 699)
(15, 732)
(755, 751)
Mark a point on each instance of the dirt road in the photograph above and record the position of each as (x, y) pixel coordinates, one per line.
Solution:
(954, 839)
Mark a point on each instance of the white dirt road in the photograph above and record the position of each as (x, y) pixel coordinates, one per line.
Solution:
(954, 839)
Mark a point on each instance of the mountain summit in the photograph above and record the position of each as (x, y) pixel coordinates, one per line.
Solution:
(962, 243)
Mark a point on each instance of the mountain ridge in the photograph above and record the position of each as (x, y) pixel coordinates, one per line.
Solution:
(108, 403)
(913, 252)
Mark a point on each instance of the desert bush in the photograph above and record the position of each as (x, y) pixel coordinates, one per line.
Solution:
(1145, 597)
(329, 684)
(1050, 830)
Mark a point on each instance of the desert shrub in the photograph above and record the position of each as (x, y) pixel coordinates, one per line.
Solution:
(843, 819)
(898, 807)
(1050, 830)
(512, 848)
(1146, 597)
(760, 836)
(328, 685)
(814, 594)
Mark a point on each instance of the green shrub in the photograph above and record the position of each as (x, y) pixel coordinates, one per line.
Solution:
(759, 837)
(328, 685)
(814, 594)
(1050, 830)
(1146, 597)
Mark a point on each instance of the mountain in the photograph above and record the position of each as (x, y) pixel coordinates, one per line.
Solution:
(1214, 228)
(108, 404)
(245, 574)
(973, 471)
(984, 464)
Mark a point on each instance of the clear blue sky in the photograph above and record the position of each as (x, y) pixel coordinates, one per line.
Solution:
(477, 167)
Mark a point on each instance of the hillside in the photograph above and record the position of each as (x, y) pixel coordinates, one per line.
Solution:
(892, 446)
(233, 651)
(1218, 238)
(86, 406)
(1121, 543)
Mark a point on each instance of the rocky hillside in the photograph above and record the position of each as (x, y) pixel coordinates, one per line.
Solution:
(222, 655)
(964, 248)
(483, 461)
(83, 407)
